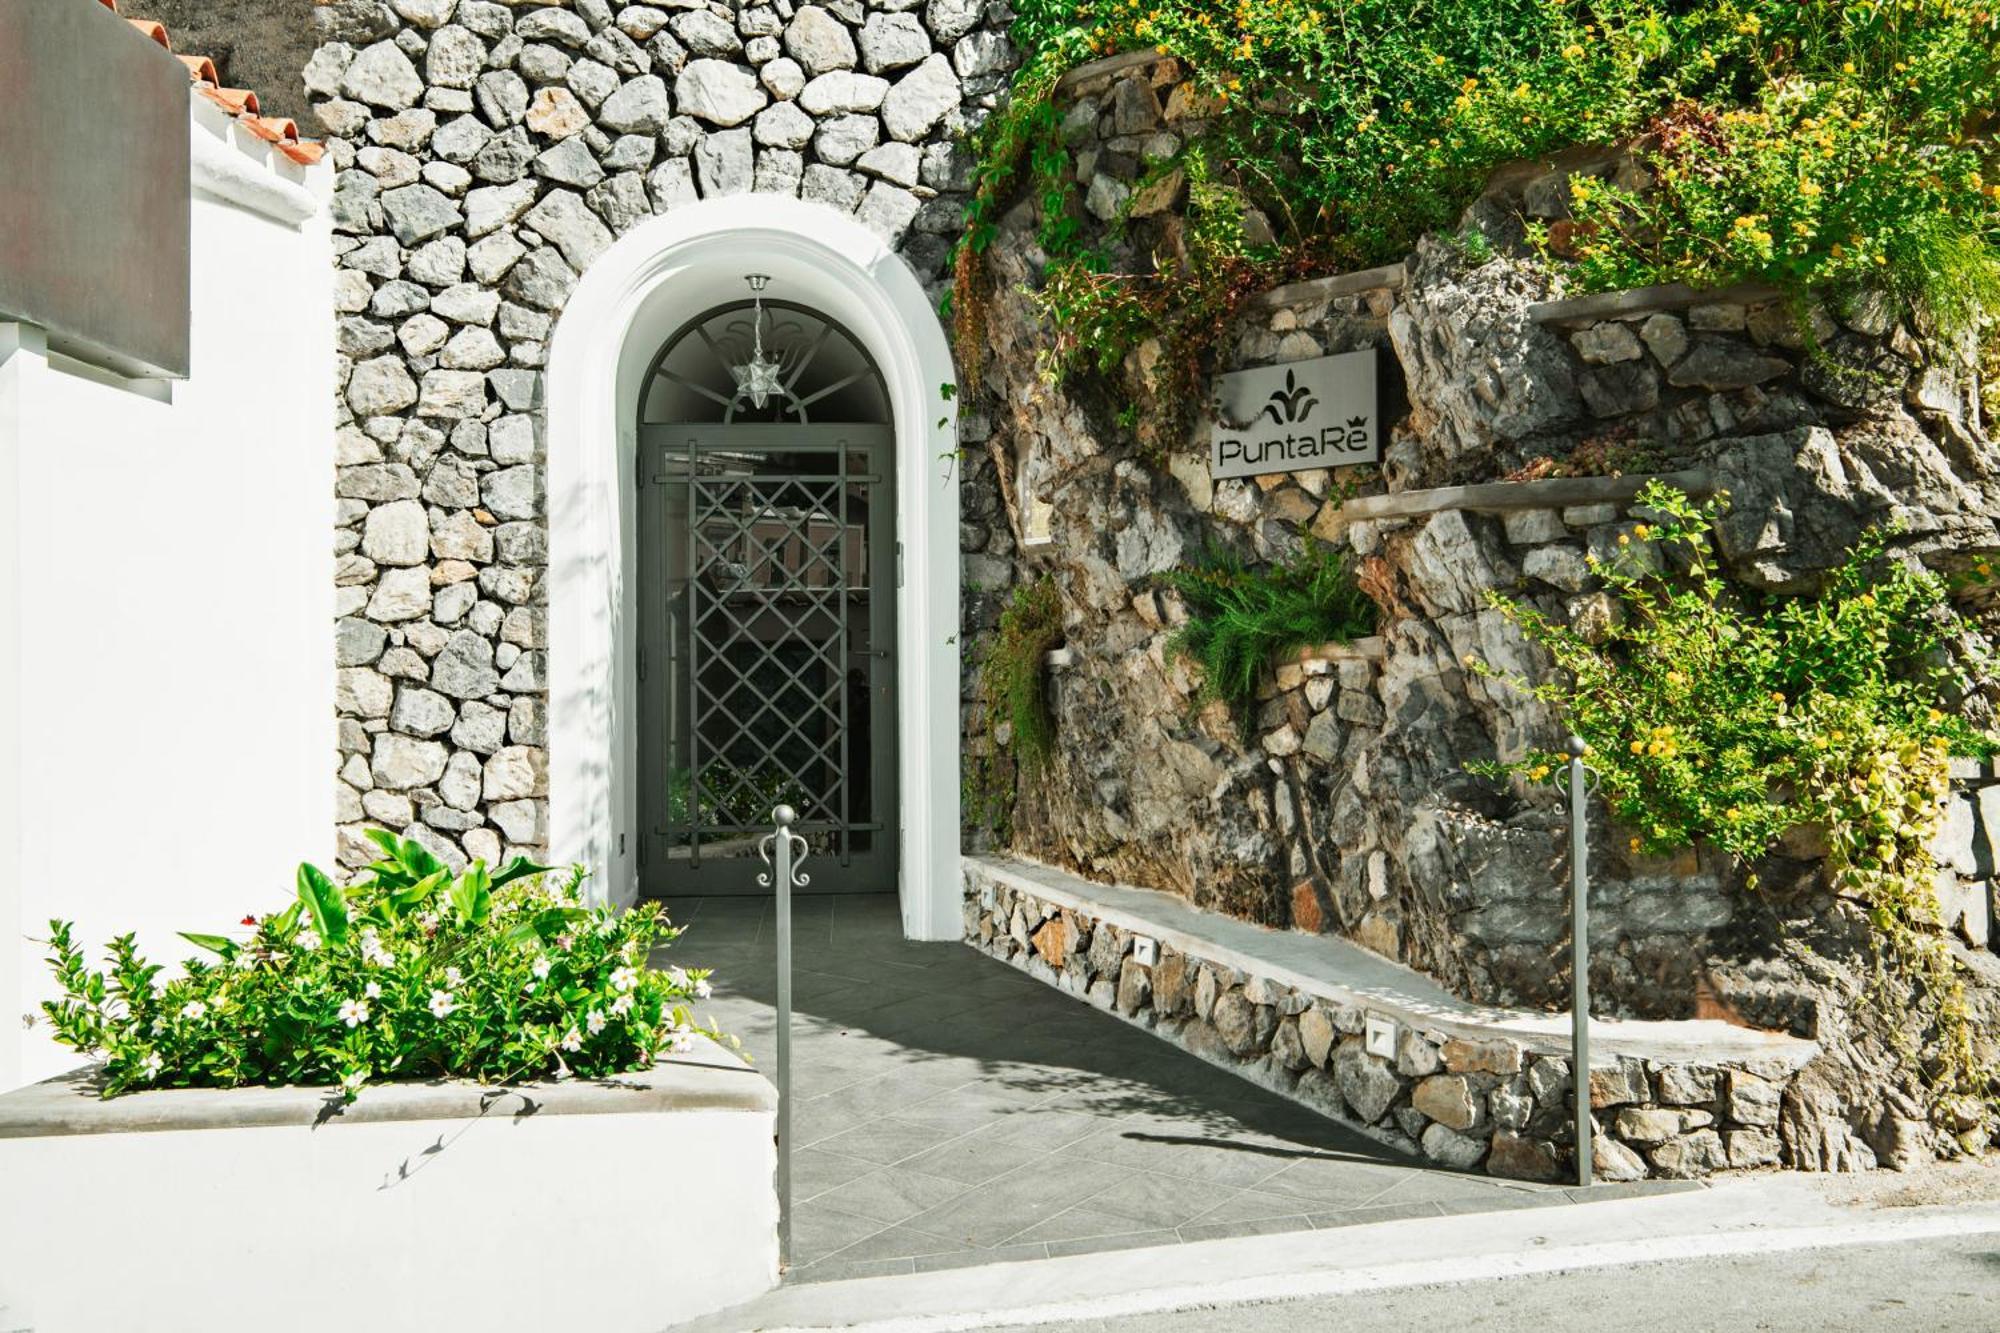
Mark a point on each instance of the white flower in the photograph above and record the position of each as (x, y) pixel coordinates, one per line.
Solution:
(151, 1065)
(373, 990)
(572, 1041)
(442, 1004)
(565, 942)
(193, 1009)
(702, 990)
(528, 989)
(354, 1012)
(428, 920)
(621, 1006)
(453, 977)
(595, 1021)
(624, 978)
(308, 940)
(372, 951)
(353, 1082)
(681, 1042)
(541, 969)
(677, 977)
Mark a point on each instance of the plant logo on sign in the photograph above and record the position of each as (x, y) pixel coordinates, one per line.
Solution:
(1295, 399)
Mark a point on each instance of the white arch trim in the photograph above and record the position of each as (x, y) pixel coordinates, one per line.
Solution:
(624, 306)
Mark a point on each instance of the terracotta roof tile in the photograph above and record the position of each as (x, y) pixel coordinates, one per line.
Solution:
(241, 103)
(236, 101)
(200, 68)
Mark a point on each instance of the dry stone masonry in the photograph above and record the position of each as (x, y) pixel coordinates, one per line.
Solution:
(1473, 1101)
(487, 154)
(1529, 422)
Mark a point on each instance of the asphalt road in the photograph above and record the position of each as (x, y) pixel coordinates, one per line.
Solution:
(1940, 1286)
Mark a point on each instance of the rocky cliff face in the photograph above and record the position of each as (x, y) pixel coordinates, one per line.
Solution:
(1348, 807)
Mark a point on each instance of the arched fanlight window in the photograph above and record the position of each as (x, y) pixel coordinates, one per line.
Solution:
(763, 361)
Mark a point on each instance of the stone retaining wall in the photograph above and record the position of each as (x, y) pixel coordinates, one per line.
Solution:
(1349, 809)
(1492, 1103)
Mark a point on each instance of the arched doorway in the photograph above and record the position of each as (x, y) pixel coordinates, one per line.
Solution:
(767, 601)
(627, 306)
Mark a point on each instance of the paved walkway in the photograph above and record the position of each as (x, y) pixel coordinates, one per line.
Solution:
(952, 1111)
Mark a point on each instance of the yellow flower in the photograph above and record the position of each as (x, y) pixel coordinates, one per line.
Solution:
(1642, 532)
(1633, 844)
(1624, 539)
(1638, 747)
(1675, 678)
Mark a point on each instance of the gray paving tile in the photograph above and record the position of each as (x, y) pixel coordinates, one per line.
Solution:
(892, 1194)
(1261, 1226)
(884, 1140)
(952, 1111)
(1354, 1217)
(1207, 1160)
(1099, 1244)
(815, 1171)
(818, 1232)
(1001, 1210)
(1153, 1201)
(835, 1270)
(999, 1254)
(900, 1242)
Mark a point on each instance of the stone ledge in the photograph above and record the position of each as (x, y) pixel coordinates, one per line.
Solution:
(1499, 497)
(1342, 973)
(1108, 66)
(1644, 300)
(708, 1078)
(1387, 277)
(1373, 648)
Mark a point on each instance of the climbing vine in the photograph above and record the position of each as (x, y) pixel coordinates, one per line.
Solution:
(1818, 147)
(1716, 715)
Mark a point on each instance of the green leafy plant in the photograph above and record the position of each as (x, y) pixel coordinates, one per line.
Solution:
(1240, 618)
(1016, 714)
(410, 973)
(1817, 147)
(1017, 676)
(1716, 715)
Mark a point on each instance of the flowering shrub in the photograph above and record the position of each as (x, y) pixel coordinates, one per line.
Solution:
(410, 973)
(1716, 716)
(1822, 146)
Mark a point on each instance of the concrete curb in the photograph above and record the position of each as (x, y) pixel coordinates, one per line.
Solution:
(1750, 1216)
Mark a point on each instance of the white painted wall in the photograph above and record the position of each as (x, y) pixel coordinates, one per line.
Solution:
(166, 665)
(606, 1223)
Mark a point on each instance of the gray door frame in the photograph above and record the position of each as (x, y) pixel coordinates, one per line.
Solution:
(689, 845)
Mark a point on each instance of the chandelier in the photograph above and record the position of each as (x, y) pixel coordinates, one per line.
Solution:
(757, 378)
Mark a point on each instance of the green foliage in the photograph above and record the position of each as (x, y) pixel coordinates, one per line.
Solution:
(1812, 146)
(1718, 716)
(1017, 713)
(1240, 618)
(410, 973)
(1017, 679)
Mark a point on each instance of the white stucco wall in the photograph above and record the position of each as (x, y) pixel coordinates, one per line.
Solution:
(166, 666)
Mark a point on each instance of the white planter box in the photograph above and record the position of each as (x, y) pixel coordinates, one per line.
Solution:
(630, 1203)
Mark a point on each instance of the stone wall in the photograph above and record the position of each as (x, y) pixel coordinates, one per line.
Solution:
(1471, 1099)
(488, 153)
(1349, 809)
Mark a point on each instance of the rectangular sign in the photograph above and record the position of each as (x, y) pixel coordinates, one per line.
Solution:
(1295, 417)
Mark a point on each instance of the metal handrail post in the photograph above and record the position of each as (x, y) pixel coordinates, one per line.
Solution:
(783, 878)
(1579, 957)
